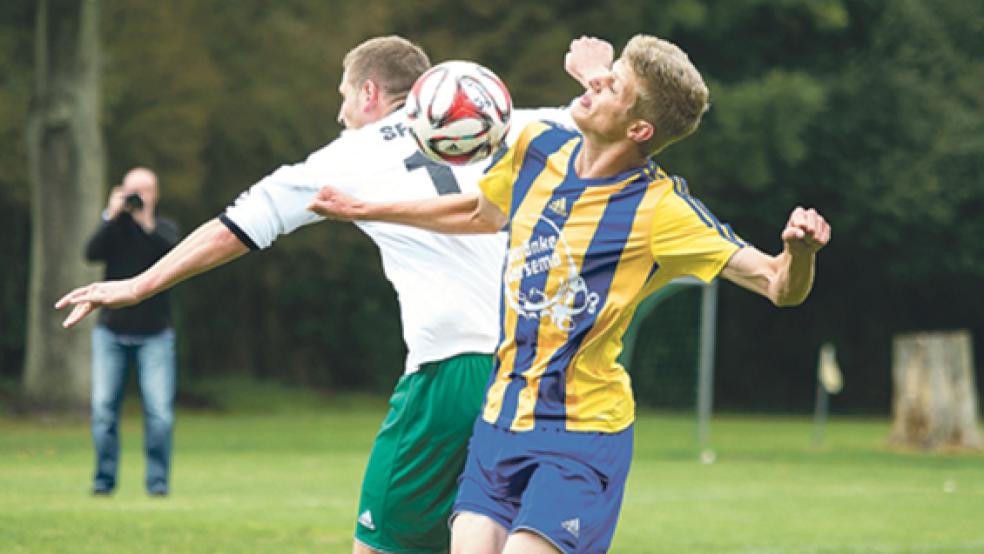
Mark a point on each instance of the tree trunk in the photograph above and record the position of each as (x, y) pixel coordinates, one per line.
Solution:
(65, 154)
(935, 401)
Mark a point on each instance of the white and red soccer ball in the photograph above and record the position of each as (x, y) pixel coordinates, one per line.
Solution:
(459, 112)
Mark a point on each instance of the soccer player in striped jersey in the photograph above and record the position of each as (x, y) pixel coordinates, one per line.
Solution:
(447, 289)
(594, 227)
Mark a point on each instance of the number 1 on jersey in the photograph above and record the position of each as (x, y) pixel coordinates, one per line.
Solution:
(440, 174)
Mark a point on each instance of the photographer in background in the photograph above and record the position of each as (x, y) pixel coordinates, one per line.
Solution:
(131, 238)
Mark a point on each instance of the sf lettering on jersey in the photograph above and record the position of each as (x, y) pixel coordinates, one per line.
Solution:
(391, 132)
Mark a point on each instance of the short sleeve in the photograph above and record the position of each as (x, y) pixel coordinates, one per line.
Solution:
(277, 204)
(497, 183)
(687, 239)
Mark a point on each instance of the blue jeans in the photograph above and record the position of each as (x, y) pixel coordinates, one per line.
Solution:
(155, 360)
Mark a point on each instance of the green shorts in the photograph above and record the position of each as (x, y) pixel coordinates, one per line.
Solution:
(412, 476)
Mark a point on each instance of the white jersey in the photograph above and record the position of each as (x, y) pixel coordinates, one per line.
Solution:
(447, 285)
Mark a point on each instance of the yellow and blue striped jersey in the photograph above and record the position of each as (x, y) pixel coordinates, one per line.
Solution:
(582, 254)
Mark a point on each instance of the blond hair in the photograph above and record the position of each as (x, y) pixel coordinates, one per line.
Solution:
(671, 95)
(392, 62)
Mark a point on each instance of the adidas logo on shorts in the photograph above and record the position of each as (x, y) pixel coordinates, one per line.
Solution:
(572, 526)
(365, 520)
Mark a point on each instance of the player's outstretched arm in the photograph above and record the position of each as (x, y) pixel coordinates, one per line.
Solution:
(449, 214)
(211, 245)
(785, 279)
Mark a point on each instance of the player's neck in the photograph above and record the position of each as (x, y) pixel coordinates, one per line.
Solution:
(391, 104)
(379, 112)
(605, 160)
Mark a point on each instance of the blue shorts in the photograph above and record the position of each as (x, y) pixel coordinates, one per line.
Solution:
(565, 486)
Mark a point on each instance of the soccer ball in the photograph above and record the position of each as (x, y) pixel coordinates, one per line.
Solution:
(458, 112)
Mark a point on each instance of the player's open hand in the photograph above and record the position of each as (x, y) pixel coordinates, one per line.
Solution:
(111, 294)
(335, 204)
(587, 58)
(806, 232)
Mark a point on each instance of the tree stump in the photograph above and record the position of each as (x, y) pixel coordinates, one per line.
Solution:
(935, 400)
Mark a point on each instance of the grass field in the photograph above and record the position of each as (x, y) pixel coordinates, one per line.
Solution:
(279, 471)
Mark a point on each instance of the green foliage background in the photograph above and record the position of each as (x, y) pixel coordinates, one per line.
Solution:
(869, 110)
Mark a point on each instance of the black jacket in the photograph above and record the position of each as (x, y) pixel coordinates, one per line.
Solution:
(128, 250)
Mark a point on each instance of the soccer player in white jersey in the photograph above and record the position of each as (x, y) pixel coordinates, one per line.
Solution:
(447, 288)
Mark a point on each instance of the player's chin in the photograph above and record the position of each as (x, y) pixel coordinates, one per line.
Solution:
(581, 118)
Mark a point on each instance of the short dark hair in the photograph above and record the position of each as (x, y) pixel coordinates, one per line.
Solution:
(392, 62)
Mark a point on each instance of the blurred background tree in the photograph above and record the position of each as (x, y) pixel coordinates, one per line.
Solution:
(65, 159)
(869, 110)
